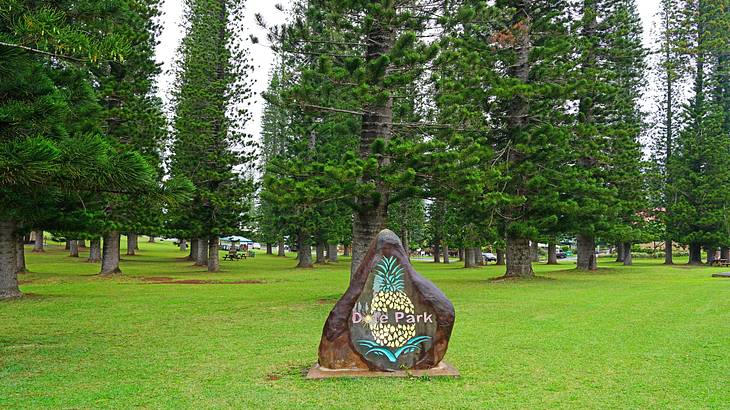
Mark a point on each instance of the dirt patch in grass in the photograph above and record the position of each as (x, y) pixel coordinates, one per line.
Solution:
(163, 280)
(501, 279)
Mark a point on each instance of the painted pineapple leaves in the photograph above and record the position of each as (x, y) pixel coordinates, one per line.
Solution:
(388, 276)
(412, 345)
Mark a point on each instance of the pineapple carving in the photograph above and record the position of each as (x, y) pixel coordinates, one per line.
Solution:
(390, 318)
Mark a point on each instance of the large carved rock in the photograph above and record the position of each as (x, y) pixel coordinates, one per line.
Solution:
(390, 318)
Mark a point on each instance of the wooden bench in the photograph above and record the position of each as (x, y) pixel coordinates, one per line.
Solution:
(721, 262)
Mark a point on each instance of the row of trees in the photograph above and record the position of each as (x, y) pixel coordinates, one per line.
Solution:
(86, 152)
(507, 123)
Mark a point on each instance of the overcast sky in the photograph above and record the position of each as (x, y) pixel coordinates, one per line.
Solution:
(262, 57)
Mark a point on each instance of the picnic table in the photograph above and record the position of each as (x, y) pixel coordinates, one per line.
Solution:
(237, 256)
(721, 262)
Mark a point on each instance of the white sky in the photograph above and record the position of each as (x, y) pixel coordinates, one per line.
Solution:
(262, 57)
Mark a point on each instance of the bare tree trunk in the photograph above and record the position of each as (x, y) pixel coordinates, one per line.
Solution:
(695, 254)
(20, 255)
(710, 254)
(534, 251)
(280, 248)
(81, 243)
(201, 256)
(376, 124)
(461, 254)
(269, 249)
(552, 254)
(110, 253)
(446, 252)
(193, 256)
(586, 253)
(332, 252)
(73, 248)
(628, 260)
(469, 261)
(436, 252)
(476, 253)
(519, 261)
(214, 264)
(183, 245)
(320, 252)
(151, 240)
(500, 257)
(38, 246)
(404, 238)
(346, 251)
(668, 252)
(68, 245)
(8, 261)
(132, 240)
(620, 252)
(725, 253)
(94, 250)
(304, 251)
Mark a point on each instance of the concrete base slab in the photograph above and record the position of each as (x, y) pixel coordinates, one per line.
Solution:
(442, 370)
(721, 275)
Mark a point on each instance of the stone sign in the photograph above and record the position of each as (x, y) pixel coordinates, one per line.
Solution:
(390, 319)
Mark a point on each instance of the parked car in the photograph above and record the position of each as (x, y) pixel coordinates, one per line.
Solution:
(561, 254)
(489, 257)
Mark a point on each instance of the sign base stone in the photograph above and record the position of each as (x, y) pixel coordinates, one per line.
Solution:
(443, 369)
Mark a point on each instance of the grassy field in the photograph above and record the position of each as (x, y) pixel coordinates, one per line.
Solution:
(646, 336)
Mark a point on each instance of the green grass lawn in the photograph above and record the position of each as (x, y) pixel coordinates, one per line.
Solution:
(646, 336)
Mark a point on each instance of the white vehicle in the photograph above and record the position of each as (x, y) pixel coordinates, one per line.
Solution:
(489, 257)
(256, 245)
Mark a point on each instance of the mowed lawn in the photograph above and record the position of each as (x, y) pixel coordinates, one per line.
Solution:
(646, 336)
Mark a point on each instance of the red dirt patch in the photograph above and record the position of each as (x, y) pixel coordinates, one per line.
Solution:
(170, 281)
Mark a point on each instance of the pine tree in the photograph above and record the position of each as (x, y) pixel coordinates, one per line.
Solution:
(209, 145)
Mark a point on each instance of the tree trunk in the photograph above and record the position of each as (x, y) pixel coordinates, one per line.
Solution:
(346, 251)
(436, 252)
(151, 240)
(711, 254)
(552, 254)
(320, 253)
(214, 263)
(500, 257)
(68, 245)
(132, 240)
(476, 253)
(74, 248)
(376, 124)
(269, 249)
(620, 252)
(405, 241)
(695, 254)
(725, 253)
(201, 256)
(20, 255)
(469, 258)
(280, 248)
(183, 245)
(193, 256)
(519, 260)
(81, 243)
(304, 251)
(110, 253)
(461, 254)
(38, 246)
(446, 252)
(668, 253)
(586, 253)
(534, 251)
(332, 252)
(8, 261)
(94, 251)
(628, 260)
